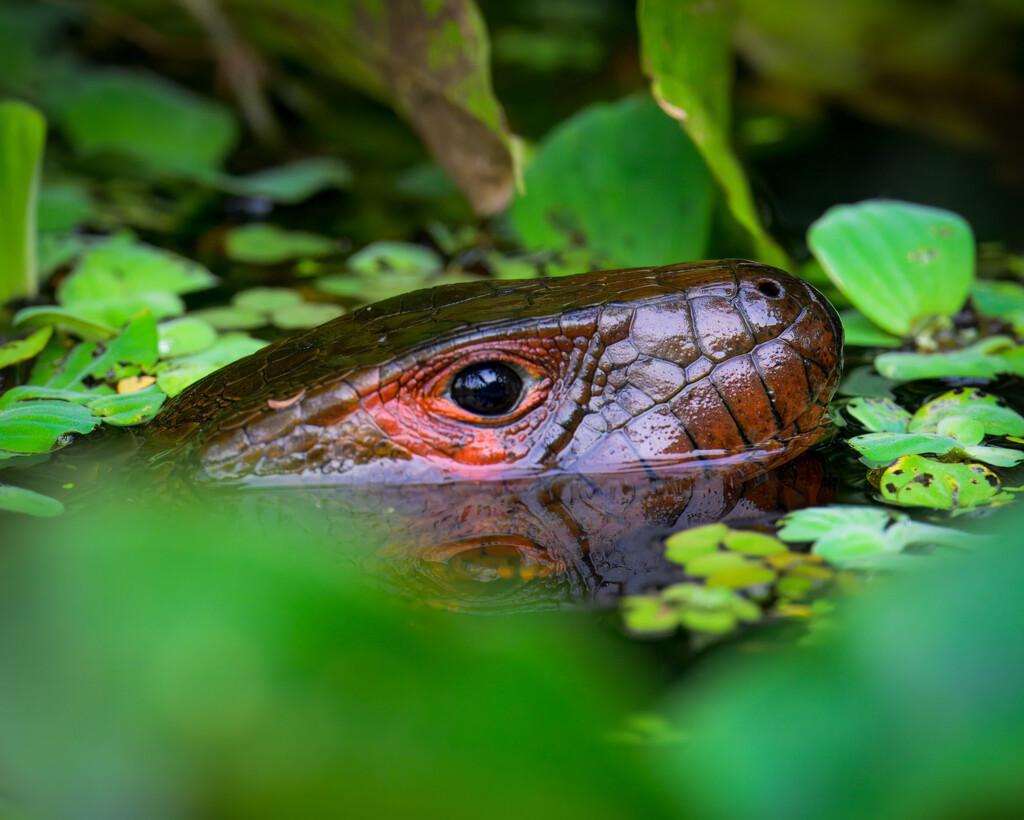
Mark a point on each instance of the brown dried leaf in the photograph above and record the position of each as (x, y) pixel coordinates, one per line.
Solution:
(427, 58)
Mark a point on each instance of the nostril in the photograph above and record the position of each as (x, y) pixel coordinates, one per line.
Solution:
(769, 288)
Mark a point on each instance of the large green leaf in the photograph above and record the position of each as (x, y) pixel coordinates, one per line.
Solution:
(687, 54)
(899, 263)
(165, 660)
(22, 135)
(147, 118)
(623, 181)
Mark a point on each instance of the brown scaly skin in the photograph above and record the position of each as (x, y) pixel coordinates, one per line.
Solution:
(649, 366)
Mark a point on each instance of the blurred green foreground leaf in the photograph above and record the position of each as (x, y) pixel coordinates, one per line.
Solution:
(159, 665)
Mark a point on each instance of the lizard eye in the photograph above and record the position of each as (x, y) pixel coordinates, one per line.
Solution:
(487, 389)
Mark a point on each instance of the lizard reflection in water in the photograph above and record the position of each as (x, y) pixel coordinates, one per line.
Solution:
(529, 543)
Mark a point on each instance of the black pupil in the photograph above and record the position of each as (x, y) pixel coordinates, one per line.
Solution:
(487, 389)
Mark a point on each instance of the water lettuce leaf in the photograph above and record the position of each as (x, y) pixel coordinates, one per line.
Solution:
(899, 263)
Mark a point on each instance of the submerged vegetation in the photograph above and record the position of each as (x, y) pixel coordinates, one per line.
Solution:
(184, 183)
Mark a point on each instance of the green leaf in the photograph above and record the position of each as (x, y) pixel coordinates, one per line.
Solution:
(118, 277)
(815, 522)
(982, 360)
(687, 53)
(47, 361)
(21, 350)
(899, 263)
(119, 309)
(123, 266)
(64, 206)
(291, 183)
(177, 374)
(882, 448)
(587, 179)
(395, 257)
(742, 577)
(995, 416)
(879, 415)
(915, 481)
(714, 562)
(22, 137)
(648, 615)
(377, 286)
(862, 537)
(855, 547)
(999, 299)
(865, 381)
(135, 345)
(180, 337)
(996, 456)
(715, 610)
(860, 331)
(29, 502)
(231, 318)
(963, 428)
(28, 392)
(261, 243)
(304, 314)
(125, 409)
(41, 426)
(752, 543)
(264, 300)
(69, 370)
(688, 544)
(146, 118)
(512, 267)
(59, 249)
